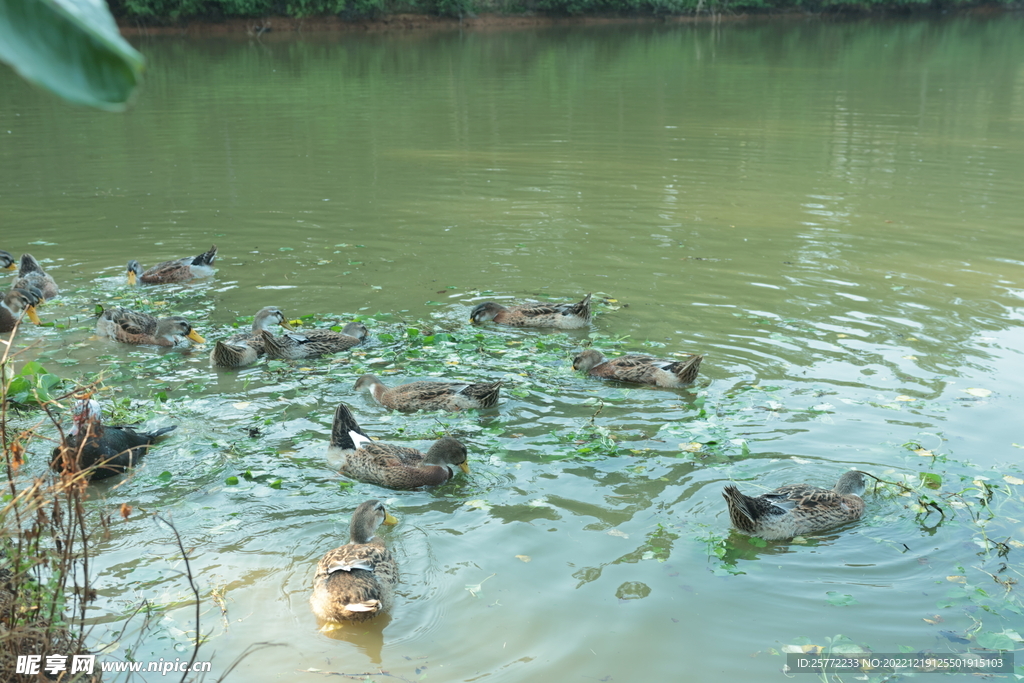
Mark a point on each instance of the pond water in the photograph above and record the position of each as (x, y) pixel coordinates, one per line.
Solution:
(830, 212)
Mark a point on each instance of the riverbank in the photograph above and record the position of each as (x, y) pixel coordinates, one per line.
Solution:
(408, 21)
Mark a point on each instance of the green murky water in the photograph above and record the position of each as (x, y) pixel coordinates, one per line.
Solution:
(831, 212)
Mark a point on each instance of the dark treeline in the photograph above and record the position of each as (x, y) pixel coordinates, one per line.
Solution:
(175, 10)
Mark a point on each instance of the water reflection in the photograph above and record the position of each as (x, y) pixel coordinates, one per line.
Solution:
(367, 637)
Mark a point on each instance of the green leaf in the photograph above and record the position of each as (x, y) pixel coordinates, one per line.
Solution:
(165, 476)
(276, 484)
(995, 641)
(231, 481)
(839, 599)
(32, 368)
(71, 48)
(931, 480)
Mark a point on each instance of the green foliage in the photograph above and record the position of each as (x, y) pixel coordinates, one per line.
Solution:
(33, 385)
(173, 10)
(837, 599)
(633, 7)
(74, 50)
(450, 8)
(222, 9)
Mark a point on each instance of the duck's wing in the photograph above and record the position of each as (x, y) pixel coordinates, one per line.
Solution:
(181, 269)
(363, 556)
(133, 323)
(800, 497)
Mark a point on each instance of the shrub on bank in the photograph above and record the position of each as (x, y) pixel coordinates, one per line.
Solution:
(175, 10)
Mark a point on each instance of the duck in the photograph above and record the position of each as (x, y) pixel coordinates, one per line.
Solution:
(313, 343)
(244, 348)
(31, 274)
(100, 451)
(356, 581)
(797, 509)
(431, 395)
(16, 303)
(639, 369)
(394, 467)
(181, 270)
(135, 327)
(6, 260)
(562, 316)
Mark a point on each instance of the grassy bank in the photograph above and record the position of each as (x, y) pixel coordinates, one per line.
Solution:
(419, 13)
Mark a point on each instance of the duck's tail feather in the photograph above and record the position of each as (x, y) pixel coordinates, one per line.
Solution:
(687, 370)
(739, 509)
(160, 432)
(206, 258)
(345, 422)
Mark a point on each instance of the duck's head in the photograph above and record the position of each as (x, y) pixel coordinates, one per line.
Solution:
(448, 451)
(485, 311)
(367, 518)
(6, 260)
(134, 272)
(24, 299)
(354, 329)
(367, 382)
(587, 360)
(851, 482)
(268, 316)
(86, 411)
(176, 326)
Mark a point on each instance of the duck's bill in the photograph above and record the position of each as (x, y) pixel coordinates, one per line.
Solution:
(11, 266)
(390, 519)
(464, 466)
(31, 313)
(196, 337)
(287, 325)
(132, 278)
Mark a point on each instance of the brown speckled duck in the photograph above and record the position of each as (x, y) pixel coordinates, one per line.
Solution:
(244, 348)
(31, 274)
(431, 395)
(639, 369)
(562, 316)
(357, 581)
(181, 270)
(15, 304)
(99, 450)
(313, 343)
(797, 509)
(135, 327)
(395, 467)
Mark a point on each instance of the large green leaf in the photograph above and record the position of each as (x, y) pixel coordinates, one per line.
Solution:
(72, 48)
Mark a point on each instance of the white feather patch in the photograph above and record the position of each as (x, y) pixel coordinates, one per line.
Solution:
(349, 566)
(358, 439)
(368, 606)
